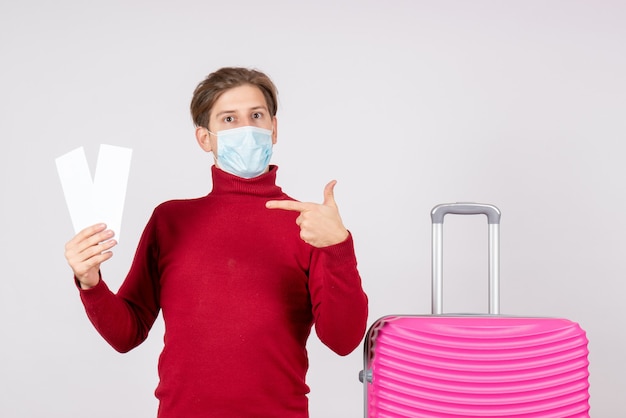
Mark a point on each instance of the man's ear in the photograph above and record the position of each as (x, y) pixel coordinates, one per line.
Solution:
(202, 136)
(274, 130)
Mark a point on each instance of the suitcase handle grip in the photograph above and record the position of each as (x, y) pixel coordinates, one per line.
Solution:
(439, 211)
(493, 220)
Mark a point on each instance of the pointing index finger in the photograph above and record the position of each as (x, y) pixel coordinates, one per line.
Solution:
(287, 205)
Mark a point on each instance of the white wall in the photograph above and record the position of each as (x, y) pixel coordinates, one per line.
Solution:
(407, 103)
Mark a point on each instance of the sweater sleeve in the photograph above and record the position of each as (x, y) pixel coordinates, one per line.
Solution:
(124, 319)
(339, 302)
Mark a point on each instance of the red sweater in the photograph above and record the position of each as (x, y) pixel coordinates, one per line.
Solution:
(239, 291)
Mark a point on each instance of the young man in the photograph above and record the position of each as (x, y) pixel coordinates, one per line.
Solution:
(241, 275)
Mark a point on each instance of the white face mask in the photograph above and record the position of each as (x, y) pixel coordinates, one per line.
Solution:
(244, 151)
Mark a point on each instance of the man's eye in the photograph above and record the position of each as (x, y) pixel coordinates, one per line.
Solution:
(229, 119)
(256, 115)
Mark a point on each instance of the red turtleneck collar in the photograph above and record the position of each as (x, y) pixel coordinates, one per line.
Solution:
(262, 185)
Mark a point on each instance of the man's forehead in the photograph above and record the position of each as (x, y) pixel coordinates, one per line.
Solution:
(239, 100)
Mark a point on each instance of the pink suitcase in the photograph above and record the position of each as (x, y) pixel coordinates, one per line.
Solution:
(445, 365)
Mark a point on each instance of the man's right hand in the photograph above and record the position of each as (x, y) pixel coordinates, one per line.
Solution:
(87, 250)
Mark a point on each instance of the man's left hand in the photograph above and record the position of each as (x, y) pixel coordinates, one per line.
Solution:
(320, 224)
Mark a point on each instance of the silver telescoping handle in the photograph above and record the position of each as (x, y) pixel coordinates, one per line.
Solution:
(493, 219)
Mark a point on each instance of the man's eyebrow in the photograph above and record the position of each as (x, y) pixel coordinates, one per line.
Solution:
(225, 112)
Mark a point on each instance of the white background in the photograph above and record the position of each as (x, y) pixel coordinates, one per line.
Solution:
(406, 103)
